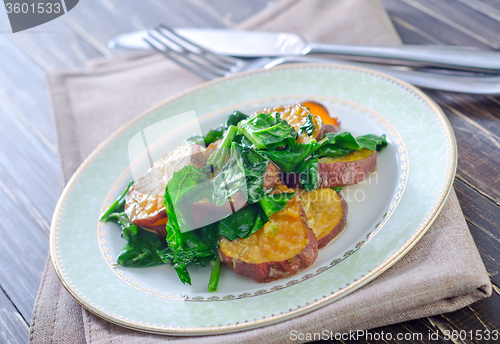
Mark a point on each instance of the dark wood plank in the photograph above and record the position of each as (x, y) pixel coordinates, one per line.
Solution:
(462, 18)
(27, 167)
(13, 328)
(490, 8)
(439, 25)
(412, 34)
(491, 3)
(22, 87)
(24, 250)
(479, 147)
(483, 217)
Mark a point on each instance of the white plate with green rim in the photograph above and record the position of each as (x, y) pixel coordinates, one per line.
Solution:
(388, 213)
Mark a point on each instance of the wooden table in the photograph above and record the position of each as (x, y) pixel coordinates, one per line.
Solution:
(29, 169)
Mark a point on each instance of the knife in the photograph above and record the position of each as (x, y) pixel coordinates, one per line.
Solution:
(261, 44)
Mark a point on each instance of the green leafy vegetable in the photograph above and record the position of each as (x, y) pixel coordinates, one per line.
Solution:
(214, 275)
(253, 217)
(337, 188)
(337, 145)
(230, 179)
(187, 246)
(219, 155)
(308, 126)
(267, 132)
(234, 118)
(243, 223)
(212, 136)
(117, 206)
(276, 202)
(372, 142)
(289, 157)
(254, 165)
(308, 174)
(142, 246)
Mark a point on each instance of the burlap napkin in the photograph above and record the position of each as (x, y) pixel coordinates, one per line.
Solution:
(442, 273)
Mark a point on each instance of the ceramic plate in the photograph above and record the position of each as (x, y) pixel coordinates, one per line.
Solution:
(388, 212)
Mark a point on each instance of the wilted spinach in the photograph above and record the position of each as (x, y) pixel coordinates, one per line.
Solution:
(267, 132)
(292, 155)
(142, 246)
(308, 126)
(272, 203)
(337, 145)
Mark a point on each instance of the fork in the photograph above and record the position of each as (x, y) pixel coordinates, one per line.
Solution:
(210, 65)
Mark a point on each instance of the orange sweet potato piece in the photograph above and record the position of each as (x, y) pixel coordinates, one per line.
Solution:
(282, 248)
(326, 212)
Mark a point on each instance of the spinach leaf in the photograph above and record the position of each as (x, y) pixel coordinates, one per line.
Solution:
(230, 179)
(275, 202)
(253, 217)
(243, 141)
(235, 118)
(212, 136)
(267, 132)
(186, 246)
(372, 142)
(337, 145)
(186, 187)
(142, 246)
(117, 206)
(243, 223)
(219, 155)
(308, 126)
(288, 158)
(308, 174)
(254, 165)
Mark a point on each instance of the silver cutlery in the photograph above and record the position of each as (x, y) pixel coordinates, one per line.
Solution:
(269, 44)
(211, 65)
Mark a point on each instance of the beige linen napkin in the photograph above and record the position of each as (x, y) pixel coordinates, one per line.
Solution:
(442, 273)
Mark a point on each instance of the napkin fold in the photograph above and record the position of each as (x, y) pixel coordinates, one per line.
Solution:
(442, 273)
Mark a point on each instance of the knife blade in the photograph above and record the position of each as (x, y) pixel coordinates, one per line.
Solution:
(264, 44)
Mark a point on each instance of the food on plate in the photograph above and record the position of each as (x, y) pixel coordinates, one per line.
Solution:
(284, 246)
(326, 213)
(233, 200)
(320, 110)
(348, 170)
(144, 201)
(307, 125)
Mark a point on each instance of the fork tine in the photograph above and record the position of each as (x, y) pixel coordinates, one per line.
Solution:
(222, 58)
(204, 74)
(184, 47)
(191, 58)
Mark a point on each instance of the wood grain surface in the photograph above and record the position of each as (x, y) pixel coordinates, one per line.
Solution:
(30, 174)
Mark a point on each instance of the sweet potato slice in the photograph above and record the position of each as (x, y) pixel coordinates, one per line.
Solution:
(282, 248)
(144, 201)
(326, 212)
(320, 110)
(347, 170)
(296, 116)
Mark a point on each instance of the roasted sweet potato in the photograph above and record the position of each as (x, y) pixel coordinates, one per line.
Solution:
(320, 110)
(326, 212)
(296, 116)
(144, 201)
(348, 170)
(282, 248)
